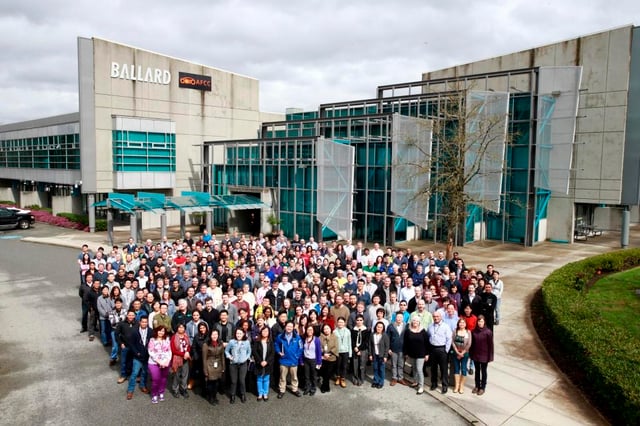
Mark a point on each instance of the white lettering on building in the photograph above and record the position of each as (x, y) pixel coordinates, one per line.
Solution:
(140, 73)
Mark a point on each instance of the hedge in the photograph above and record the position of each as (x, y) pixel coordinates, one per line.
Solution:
(607, 353)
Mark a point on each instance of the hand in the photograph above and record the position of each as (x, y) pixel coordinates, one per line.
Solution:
(263, 363)
(281, 353)
(318, 367)
(384, 360)
(426, 358)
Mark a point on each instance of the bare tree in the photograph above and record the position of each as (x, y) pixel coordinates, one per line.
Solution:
(463, 163)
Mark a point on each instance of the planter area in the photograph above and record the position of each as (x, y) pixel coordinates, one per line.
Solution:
(598, 352)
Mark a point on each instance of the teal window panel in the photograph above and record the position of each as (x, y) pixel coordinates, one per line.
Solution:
(287, 222)
(376, 202)
(520, 107)
(257, 176)
(518, 157)
(303, 226)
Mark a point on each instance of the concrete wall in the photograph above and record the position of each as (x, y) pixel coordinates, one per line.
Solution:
(600, 131)
(60, 204)
(228, 111)
(560, 218)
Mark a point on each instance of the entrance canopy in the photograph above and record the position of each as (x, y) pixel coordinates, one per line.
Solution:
(188, 202)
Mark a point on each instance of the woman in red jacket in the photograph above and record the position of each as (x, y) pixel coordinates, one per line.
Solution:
(180, 348)
(481, 353)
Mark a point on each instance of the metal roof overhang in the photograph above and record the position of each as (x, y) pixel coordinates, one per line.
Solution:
(188, 202)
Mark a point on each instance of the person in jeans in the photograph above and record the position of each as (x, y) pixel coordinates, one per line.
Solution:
(263, 355)
(138, 346)
(378, 352)
(461, 344)
(116, 316)
(238, 352)
(395, 331)
(180, 348)
(416, 348)
(312, 354)
(289, 347)
(343, 335)
(159, 349)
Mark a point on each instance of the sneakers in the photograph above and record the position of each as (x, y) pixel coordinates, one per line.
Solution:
(161, 398)
(420, 391)
(121, 380)
(154, 400)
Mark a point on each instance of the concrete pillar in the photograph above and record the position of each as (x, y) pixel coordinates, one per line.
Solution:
(138, 237)
(133, 226)
(163, 225)
(91, 199)
(626, 220)
(183, 221)
(109, 225)
(209, 221)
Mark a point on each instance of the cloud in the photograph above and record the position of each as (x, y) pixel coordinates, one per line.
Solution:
(304, 53)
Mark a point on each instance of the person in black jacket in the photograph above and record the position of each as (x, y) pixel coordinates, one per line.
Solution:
(137, 343)
(90, 299)
(488, 306)
(124, 330)
(263, 354)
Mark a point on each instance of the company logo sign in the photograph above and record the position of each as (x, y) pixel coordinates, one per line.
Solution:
(194, 81)
(140, 73)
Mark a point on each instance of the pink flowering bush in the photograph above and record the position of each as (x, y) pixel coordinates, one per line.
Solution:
(45, 216)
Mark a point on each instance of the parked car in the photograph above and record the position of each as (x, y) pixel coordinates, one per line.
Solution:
(11, 218)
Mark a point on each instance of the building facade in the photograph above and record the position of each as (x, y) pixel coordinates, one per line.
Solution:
(570, 158)
(140, 126)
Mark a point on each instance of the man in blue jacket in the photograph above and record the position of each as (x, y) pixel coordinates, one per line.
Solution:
(289, 346)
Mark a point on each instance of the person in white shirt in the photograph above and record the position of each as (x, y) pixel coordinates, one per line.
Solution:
(408, 292)
(348, 249)
(497, 288)
(375, 252)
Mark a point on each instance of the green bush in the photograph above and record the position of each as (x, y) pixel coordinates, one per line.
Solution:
(608, 355)
(79, 218)
(101, 225)
(7, 202)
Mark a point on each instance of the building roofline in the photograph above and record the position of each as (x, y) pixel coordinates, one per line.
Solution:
(168, 56)
(73, 117)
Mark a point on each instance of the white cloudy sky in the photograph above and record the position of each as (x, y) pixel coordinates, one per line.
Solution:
(304, 52)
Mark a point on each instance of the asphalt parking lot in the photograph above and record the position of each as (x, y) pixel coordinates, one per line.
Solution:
(52, 374)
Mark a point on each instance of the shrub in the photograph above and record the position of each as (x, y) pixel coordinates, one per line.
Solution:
(7, 203)
(101, 225)
(608, 355)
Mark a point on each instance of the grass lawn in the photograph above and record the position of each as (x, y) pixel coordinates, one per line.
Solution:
(616, 294)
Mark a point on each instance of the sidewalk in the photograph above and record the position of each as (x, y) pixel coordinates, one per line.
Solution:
(524, 385)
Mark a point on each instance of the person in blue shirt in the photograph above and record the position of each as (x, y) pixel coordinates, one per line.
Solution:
(289, 346)
(238, 352)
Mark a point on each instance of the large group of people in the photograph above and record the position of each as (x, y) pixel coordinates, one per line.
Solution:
(247, 314)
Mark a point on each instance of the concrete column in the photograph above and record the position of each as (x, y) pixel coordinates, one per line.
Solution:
(163, 225)
(133, 226)
(209, 221)
(91, 199)
(109, 225)
(626, 220)
(138, 237)
(183, 221)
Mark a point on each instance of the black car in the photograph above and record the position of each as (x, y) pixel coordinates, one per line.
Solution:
(11, 218)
